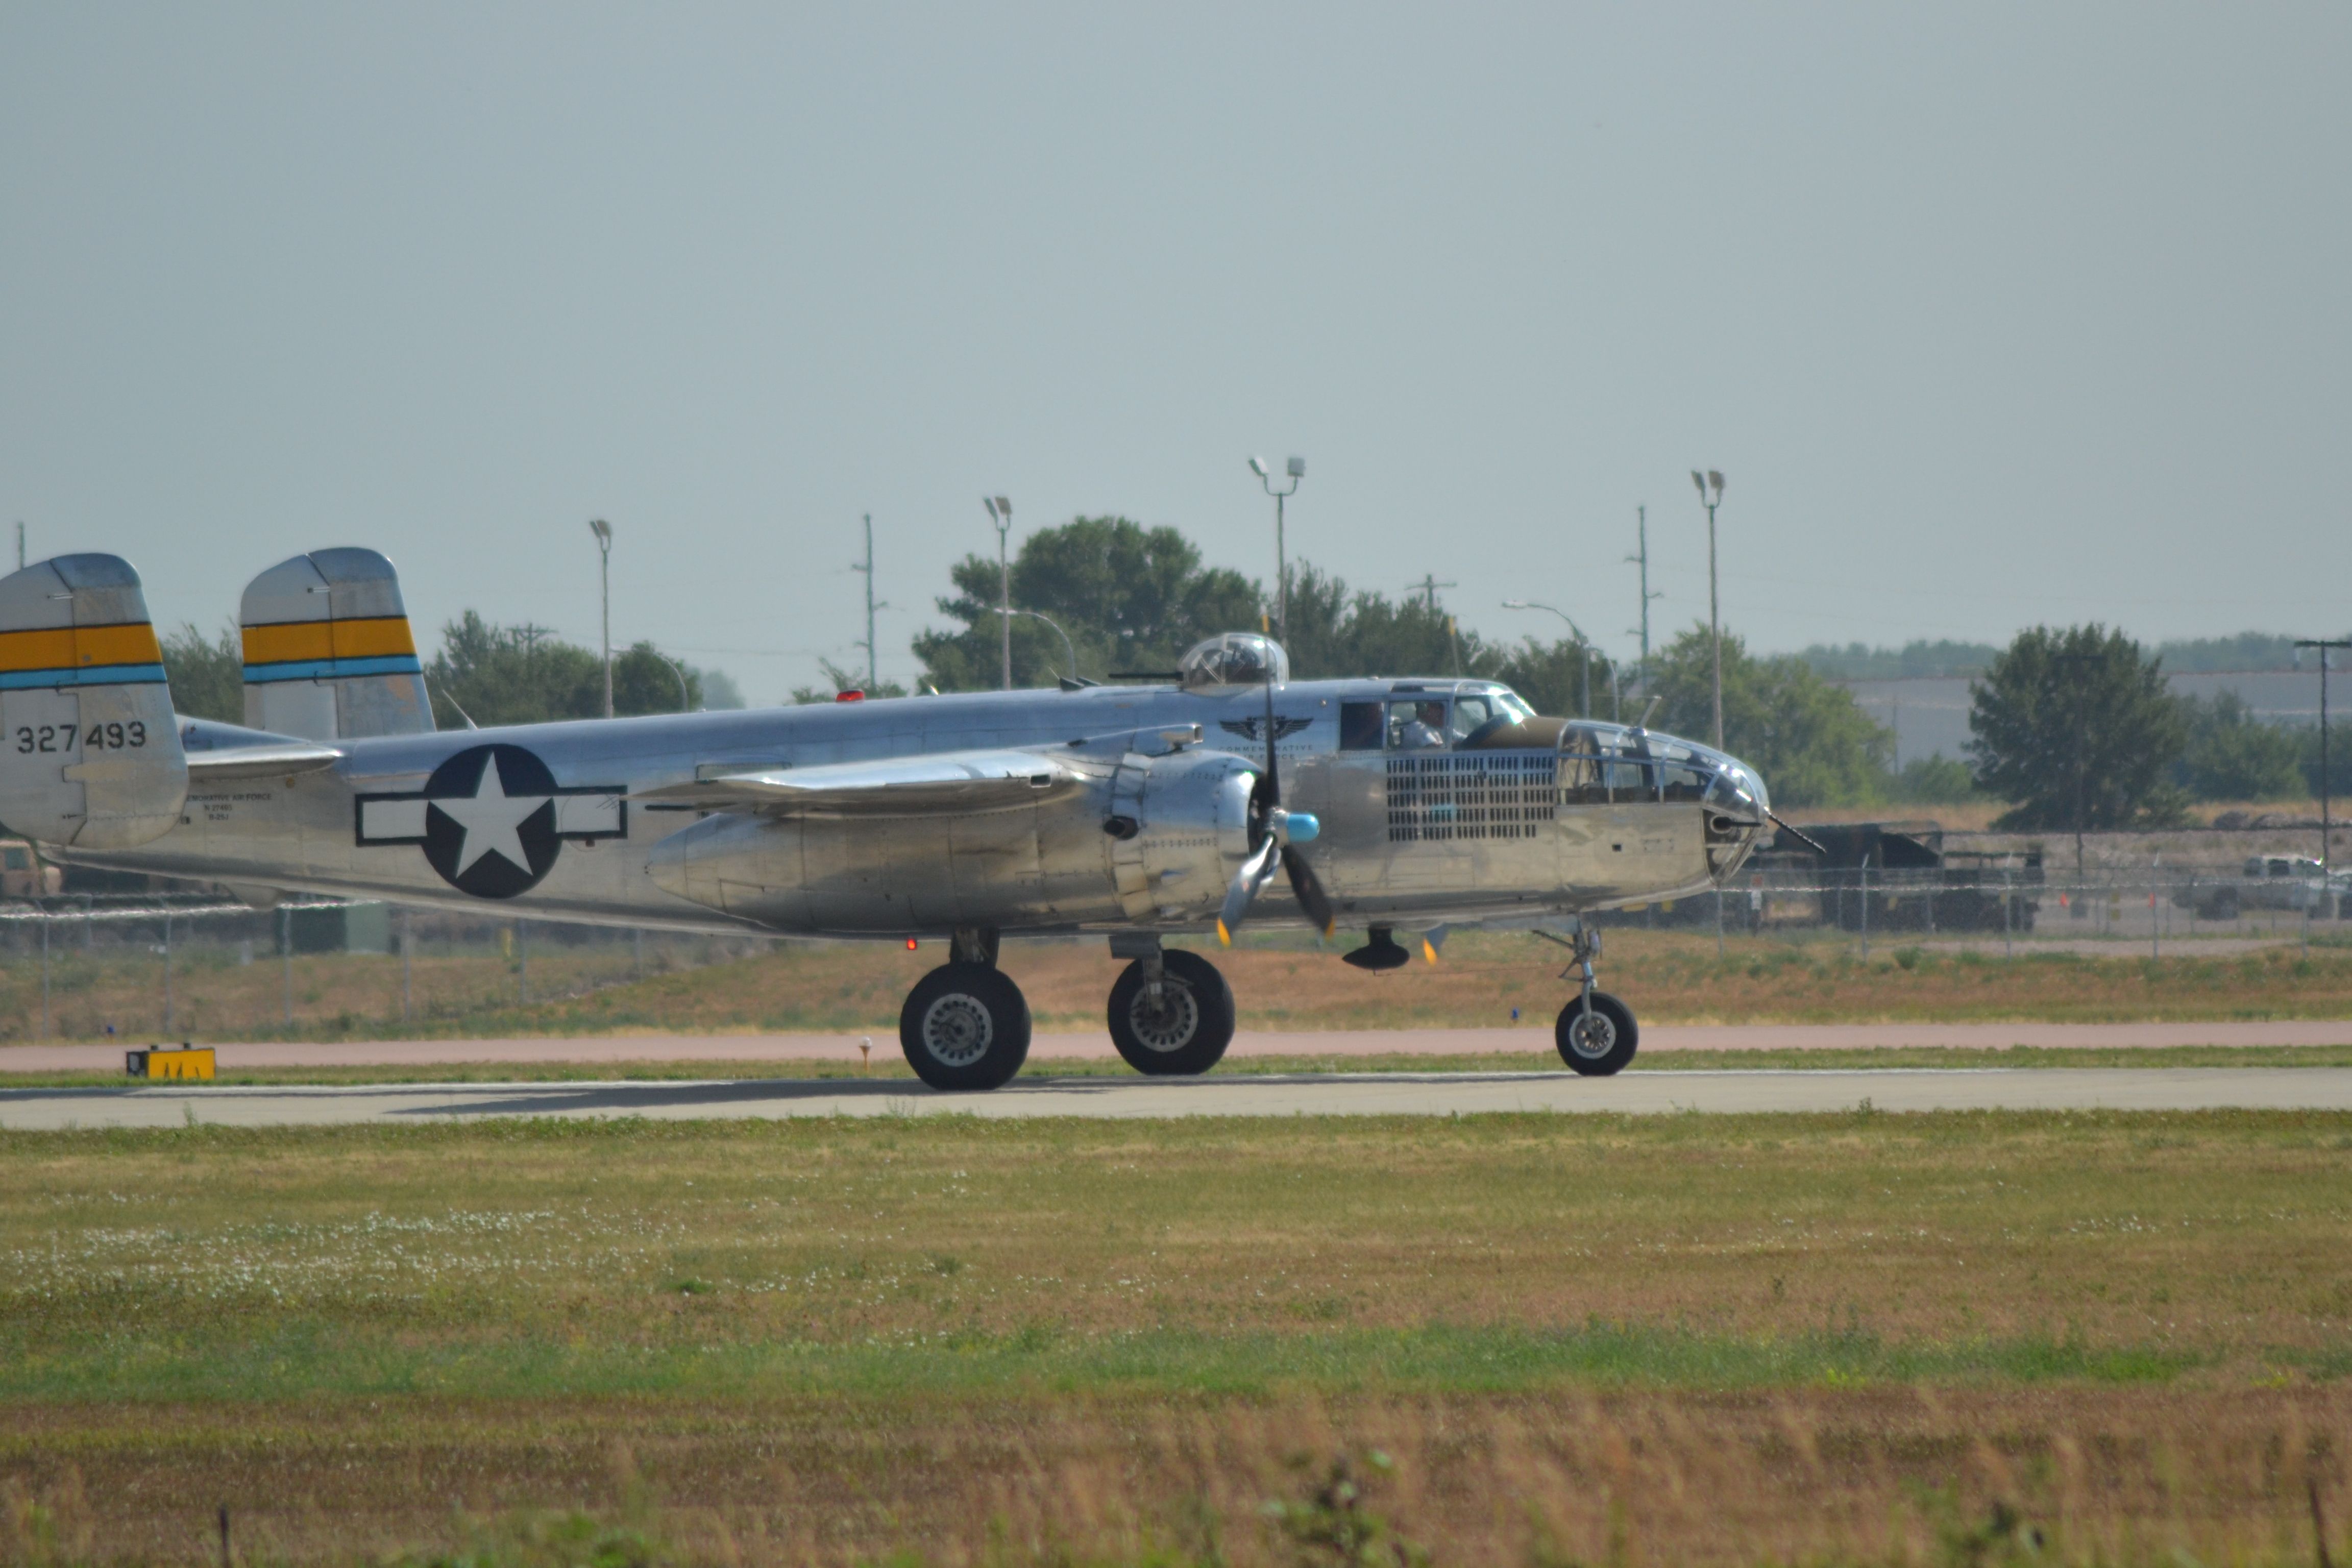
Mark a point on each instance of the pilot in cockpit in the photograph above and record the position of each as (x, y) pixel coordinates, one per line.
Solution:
(1424, 727)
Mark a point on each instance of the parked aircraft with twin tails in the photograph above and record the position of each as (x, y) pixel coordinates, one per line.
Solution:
(1181, 804)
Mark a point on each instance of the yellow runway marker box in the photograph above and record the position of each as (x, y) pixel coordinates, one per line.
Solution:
(162, 1061)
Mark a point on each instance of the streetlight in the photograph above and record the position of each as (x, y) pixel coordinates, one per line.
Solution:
(1295, 469)
(604, 532)
(999, 511)
(1583, 645)
(1071, 652)
(1713, 478)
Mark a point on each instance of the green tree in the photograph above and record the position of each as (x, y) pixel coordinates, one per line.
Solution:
(1130, 598)
(523, 674)
(2339, 758)
(2233, 756)
(647, 681)
(207, 675)
(1809, 739)
(2076, 729)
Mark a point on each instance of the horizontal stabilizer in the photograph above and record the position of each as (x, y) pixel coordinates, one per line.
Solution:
(900, 787)
(223, 751)
(329, 654)
(89, 754)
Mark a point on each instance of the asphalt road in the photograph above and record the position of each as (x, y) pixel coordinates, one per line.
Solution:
(1657, 1039)
(1386, 1094)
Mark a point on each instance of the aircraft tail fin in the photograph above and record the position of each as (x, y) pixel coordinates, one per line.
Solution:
(89, 752)
(329, 654)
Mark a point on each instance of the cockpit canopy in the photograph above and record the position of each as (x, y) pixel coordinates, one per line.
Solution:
(1236, 658)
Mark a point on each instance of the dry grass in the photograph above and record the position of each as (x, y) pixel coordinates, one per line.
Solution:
(1669, 976)
(1724, 1340)
(1896, 1475)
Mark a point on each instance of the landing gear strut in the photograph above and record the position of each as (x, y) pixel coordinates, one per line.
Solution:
(965, 1025)
(1171, 1014)
(1595, 1033)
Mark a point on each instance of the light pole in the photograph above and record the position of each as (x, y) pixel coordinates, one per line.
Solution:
(1296, 470)
(1068, 651)
(2326, 859)
(1712, 478)
(999, 511)
(677, 668)
(1583, 646)
(604, 532)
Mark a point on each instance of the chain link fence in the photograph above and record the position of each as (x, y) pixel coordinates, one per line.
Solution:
(101, 965)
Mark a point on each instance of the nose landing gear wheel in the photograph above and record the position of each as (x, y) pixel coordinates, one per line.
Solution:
(1601, 1044)
(965, 1026)
(1186, 1030)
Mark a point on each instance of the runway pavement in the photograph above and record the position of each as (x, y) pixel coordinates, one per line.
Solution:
(1332, 1044)
(1384, 1094)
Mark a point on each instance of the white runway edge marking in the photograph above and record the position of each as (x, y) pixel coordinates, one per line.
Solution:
(1730, 1091)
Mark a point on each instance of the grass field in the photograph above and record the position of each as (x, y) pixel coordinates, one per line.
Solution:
(1670, 977)
(1859, 1338)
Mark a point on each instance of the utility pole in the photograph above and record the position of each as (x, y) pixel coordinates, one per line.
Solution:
(1713, 477)
(2326, 859)
(1642, 527)
(2082, 724)
(1296, 470)
(1428, 587)
(999, 511)
(604, 532)
(873, 659)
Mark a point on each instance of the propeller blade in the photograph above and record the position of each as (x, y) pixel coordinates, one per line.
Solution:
(1272, 768)
(1308, 890)
(1251, 879)
(1806, 839)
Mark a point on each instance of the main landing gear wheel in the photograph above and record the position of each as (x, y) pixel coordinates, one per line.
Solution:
(1181, 1032)
(1600, 1043)
(965, 1026)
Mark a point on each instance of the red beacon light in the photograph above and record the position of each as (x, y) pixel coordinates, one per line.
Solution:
(852, 695)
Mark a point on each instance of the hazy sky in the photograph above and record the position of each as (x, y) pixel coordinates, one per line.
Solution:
(1990, 314)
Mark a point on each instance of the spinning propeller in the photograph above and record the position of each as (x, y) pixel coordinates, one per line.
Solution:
(1273, 832)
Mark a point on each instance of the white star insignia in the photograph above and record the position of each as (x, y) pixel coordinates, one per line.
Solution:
(490, 816)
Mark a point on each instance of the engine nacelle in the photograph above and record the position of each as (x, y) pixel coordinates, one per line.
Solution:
(1143, 841)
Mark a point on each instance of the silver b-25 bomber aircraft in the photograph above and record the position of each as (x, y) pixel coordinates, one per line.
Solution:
(1139, 811)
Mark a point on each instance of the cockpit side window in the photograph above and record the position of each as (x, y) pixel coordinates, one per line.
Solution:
(1417, 724)
(1360, 727)
(1469, 714)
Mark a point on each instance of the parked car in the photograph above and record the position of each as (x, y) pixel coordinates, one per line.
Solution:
(2294, 883)
(24, 875)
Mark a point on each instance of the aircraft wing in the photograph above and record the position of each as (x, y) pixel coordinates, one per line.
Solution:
(898, 786)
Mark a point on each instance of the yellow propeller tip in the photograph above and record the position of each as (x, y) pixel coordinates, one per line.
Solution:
(1428, 951)
(1224, 937)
